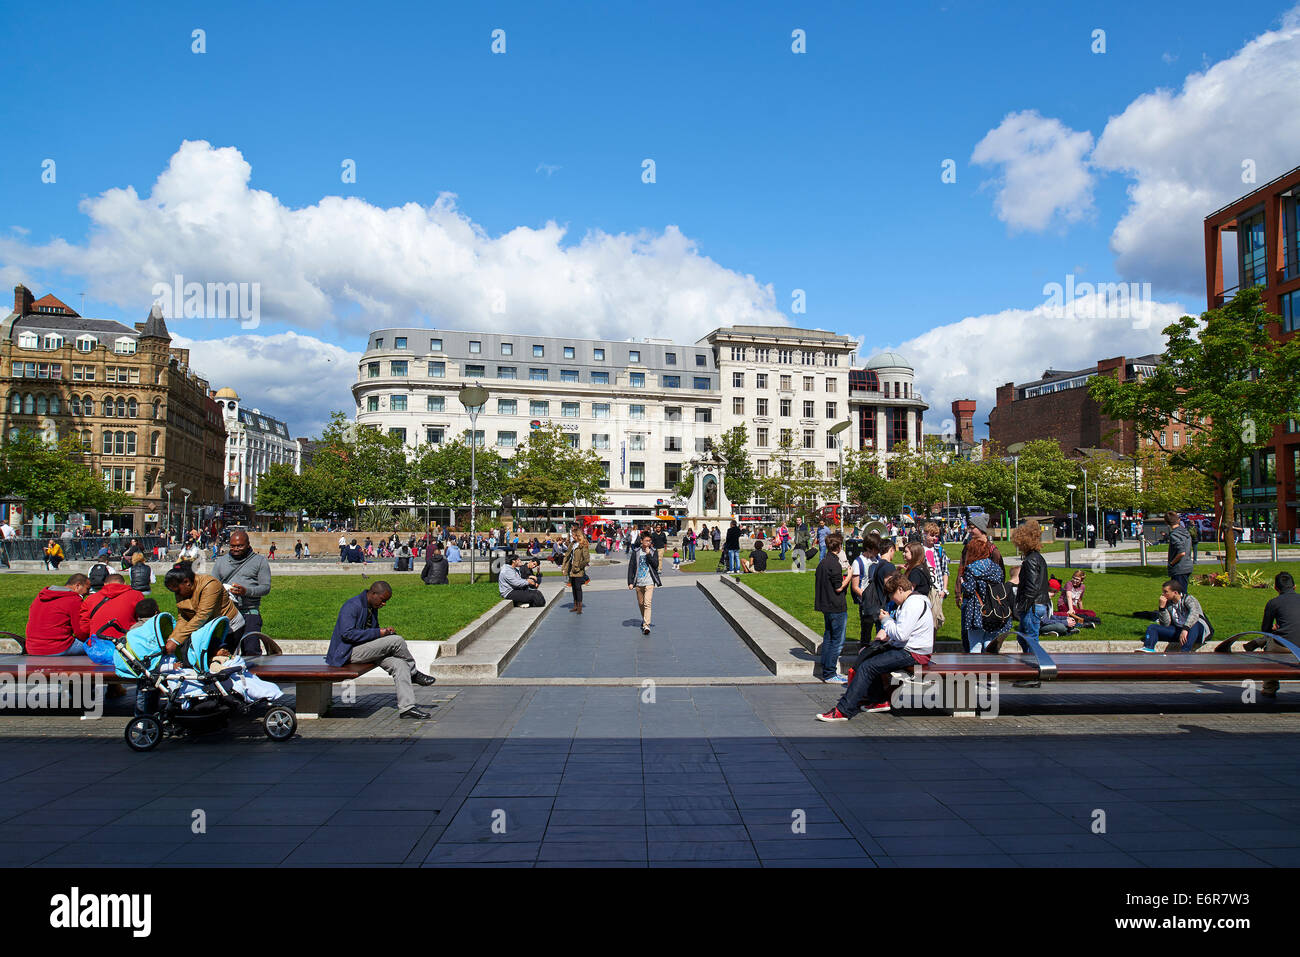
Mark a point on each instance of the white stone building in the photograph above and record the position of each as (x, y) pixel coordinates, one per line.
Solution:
(254, 442)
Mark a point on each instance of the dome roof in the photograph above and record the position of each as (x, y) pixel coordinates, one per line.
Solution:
(227, 393)
(888, 360)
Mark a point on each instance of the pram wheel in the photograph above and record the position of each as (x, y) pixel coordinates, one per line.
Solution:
(143, 732)
(280, 723)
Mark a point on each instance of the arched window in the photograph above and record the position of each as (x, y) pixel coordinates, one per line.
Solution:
(15, 403)
(130, 443)
(74, 404)
(157, 408)
(119, 443)
(87, 439)
(88, 404)
(108, 405)
(121, 407)
(54, 405)
(108, 442)
(29, 403)
(132, 408)
(42, 405)
(153, 443)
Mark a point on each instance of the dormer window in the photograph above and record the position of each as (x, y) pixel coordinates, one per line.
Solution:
(29, 340)
(86, 343)
(53, 340)
(124, 346)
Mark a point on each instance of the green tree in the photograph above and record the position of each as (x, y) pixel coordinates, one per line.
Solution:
(548, 471)
(440, 474)
(51, 478)
(277, 490)
(1227, 381)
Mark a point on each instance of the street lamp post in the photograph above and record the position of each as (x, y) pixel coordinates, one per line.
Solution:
(947, 501)
(1085, 508)
(169, 486)
(1016, 460)
(1072, 488)
(185, 512)
(837, 430)
(473, 398)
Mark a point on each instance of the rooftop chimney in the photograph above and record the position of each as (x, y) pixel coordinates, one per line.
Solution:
(22, 300)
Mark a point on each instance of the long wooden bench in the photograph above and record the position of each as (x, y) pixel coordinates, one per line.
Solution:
(1038, 666)
(312, 678)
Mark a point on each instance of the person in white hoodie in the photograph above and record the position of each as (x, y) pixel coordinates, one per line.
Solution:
(906, 639)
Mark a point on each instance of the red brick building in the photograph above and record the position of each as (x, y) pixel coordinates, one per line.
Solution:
(1263, 249)
(1057, 406)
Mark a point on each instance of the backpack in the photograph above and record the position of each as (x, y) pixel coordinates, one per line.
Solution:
(995, 610)
(872, 599)
(98, 573)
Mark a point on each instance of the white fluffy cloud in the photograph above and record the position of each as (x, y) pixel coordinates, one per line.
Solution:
(1187, 153)
(970, 358)
(293, 377)
(345, 266)
(1044, 170)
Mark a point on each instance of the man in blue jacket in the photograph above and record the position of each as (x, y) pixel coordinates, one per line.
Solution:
(358, 638)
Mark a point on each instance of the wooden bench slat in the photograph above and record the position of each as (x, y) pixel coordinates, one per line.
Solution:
(271, 667)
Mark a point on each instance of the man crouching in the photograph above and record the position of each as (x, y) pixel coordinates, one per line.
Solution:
(358, 639)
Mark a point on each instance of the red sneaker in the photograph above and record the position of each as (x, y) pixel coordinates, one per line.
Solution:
(872, 709)
(850, 674)
(832, 715)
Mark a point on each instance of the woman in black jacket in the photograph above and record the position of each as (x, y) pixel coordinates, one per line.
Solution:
(1032, 594)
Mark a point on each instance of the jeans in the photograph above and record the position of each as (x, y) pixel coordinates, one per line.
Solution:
(252, 623)
(1169, 633)
(576, 583)
(690, 551)
(821, 551)
(1030, 622)
(785, 547)
(833, 641)
(526, 596)
(975, 639)
(869, 673)
(1182, 582)
(78, 647)
(733, 559)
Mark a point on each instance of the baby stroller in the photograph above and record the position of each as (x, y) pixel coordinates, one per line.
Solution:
(182, 697)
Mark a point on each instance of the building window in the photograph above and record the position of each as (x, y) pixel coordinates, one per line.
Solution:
(600, 378)
(1291, 311)
(604, 482)
(786, 405)
(571, 439)
(830, 441)
(153, 442)
(672, 443)
(702, 382)
(400, 342)
(808, 357)
(636, 412)
(701, 444)
(787, 437)
(600, 440)
(507, 349)
(539, 408)
(761, 465)
(809, 383)
(636, 380)
(538, 375)
(435, 403)
(399, 433)
(372, 370)
(437, 370)
(831, 408)
(506, 440)
(830, 384)
(636, 442)
(785, 356)
(433, 436)
(832, 359)
(435, 345)
(568, 375)
(569, 410)
(703, 415)
(1252, 252)
(763, 354)
(124, 346)
(475, 347)
(760, 438)
(600, 410)
(760, 380)
(809, 439)
(670, 358)
(738, 406)
(379, 342)
(672, 413)
(85, 343)
(397, 367)
(787, 383)
(738, 380)
(372, 403)
(568, 352)
(701, 360)
(598, 355)
(809, 409)
(670, 381)
(478, 438)
(507, 406)
(475, 371)
(507, 372)
(672, 474)
(539, 352)
(761, 406)
(636, 474)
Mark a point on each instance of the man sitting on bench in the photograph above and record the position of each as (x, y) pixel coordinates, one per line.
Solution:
(516, 588)
(1180, 621)
(358, 638)
(908, 640)
(54, 624)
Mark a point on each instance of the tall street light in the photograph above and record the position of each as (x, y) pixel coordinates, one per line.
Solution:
(836, 430)
(169, 486)
(1072, 488)
(185, 511)
(473, 398)
(1085, 508)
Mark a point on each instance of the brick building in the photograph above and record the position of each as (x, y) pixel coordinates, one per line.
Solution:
(142, 416)
(1263, 249)
(1057, 406)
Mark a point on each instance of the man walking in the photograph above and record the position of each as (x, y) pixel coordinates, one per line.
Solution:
(247, 577)
(733, 547)
(343, 549)
(358, 638)
(822, 532)
(1180, 552)
(643, 577)
(829, 585)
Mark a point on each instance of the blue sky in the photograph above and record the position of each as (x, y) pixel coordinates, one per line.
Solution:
(818, 171)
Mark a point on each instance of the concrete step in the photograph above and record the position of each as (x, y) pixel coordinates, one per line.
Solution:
(497, 641)
(779, 652)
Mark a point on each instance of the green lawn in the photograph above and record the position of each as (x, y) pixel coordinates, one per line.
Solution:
(1114, 595)
(306, 606)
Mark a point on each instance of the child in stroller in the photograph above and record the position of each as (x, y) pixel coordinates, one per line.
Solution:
(179, 695)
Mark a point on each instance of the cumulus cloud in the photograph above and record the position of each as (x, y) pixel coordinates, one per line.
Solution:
(293, 377)
(1045, 175)
(345, 266)
(1189, 152)
(970, 358)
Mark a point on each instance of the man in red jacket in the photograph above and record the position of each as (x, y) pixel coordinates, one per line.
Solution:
(116, 601)
(54, 621)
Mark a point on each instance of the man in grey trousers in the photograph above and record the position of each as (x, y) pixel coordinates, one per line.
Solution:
(358, 638)
(247, 577)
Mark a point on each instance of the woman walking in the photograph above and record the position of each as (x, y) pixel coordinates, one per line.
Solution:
(574, 566)
(980, 572)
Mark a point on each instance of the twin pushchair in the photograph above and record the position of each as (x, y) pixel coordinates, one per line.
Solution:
(179, 696)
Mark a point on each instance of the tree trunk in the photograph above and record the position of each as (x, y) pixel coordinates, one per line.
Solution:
(1230, 536)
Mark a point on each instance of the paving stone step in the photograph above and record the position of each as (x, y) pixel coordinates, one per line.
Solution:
(775, 647)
